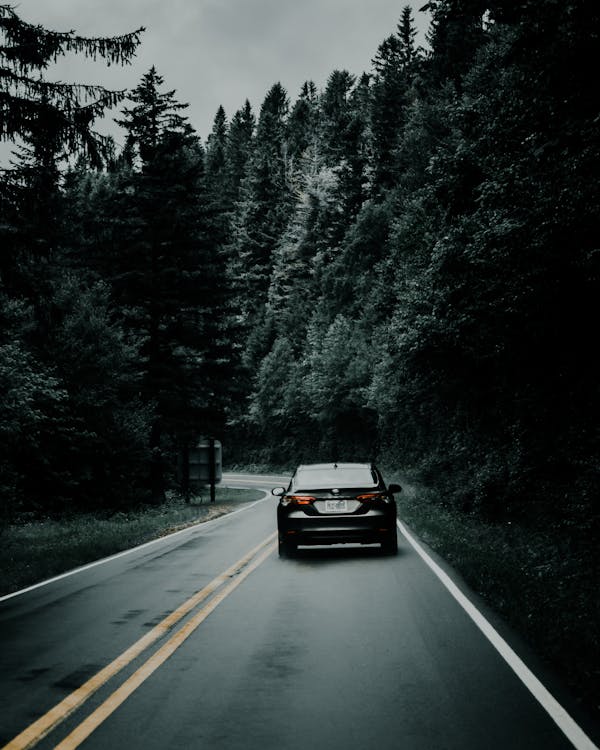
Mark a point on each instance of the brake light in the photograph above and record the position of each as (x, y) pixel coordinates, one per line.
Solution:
(372, 496)
(298, 499)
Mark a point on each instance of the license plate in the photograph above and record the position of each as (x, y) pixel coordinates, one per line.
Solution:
(336, 506)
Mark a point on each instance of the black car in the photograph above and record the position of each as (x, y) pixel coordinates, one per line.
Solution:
(336, 503)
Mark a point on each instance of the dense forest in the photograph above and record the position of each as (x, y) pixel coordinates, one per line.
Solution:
(402, 266)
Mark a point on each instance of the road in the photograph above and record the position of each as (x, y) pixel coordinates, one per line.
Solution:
(206, 639)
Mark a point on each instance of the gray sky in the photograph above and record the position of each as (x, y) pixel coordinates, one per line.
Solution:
(223, 51)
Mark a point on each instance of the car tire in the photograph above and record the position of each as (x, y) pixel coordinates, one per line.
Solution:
(389, 544)
(287, 548)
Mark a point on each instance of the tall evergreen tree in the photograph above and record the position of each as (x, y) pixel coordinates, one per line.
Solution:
(303, 121)
(28, 100)
(216, 146)
(456, 33)
(265, 204)
(219, 190)
(409, 52)
(52, 120)
(238, 149)
(166, 274)
(155, 115)
(336, 116)
(395, 66)
(343, 141)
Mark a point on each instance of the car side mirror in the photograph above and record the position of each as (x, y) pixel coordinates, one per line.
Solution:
(278, 491)
(394, 488)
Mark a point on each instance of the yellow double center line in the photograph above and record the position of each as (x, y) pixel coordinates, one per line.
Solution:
(237, 573)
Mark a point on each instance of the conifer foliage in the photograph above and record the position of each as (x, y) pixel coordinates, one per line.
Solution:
(443, 219)
(65, 431)
(28, 101)
(400, 265)
(162, 264)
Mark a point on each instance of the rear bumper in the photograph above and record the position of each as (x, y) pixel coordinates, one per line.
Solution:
(367, 529)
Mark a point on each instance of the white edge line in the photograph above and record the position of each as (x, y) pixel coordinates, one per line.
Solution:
(553, 708)
(68, 573)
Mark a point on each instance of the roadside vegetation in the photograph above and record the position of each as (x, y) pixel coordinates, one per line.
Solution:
(37, 549)
(541, 584)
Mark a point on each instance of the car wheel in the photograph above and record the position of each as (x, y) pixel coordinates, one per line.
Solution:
(287, 548)
(389, 544)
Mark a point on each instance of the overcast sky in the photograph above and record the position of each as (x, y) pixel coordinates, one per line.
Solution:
(226, 51)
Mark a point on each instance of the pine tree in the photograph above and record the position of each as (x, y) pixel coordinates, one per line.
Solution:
(356, 173)
(455, 34)
(166, 274)
(409, 53)
(265, 204)
(302, 248)
(154, 115)
(303, 121)
(49, 121)
(216, 146)
(218, 186)
(343, 143)
(395, 66)
(227, 154)
(336, 116)
(28, 101)
(52, 120)
(238, 149)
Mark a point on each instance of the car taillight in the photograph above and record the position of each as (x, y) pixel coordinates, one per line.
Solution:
(297, 499)
(374, 496)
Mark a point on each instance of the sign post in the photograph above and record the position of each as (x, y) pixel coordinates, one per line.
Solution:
(212, 468)
(205, 465)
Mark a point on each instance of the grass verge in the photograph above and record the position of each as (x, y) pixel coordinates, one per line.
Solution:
(38, 550)
(543, 584)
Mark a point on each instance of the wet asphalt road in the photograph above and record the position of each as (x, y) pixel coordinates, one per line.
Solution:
(337, 648)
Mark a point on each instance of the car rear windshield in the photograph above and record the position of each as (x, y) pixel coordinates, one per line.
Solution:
(328, 479)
